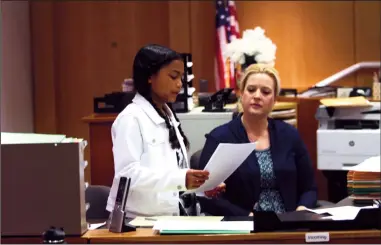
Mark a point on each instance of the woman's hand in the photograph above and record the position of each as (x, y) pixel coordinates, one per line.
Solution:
(300, 208)
(195, 178)
(216, 191)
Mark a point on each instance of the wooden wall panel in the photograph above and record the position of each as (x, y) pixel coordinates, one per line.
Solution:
(43, 66)
(96, 53)
(367, 36)
(85, 49)
(367, 29)
(179, 26)
(314, 38)
(203, 41)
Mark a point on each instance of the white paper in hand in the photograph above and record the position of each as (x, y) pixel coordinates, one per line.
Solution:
(224, 161)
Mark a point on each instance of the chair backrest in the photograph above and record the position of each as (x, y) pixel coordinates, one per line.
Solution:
(236, 114)
(195, 158)
(96, 196)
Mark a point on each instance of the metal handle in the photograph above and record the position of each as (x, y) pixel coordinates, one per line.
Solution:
(348, 71)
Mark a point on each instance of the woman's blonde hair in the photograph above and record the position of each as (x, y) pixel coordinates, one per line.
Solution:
(261, 68)
(255, 69)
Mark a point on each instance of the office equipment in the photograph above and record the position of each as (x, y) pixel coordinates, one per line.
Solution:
(347, 135)
(118, 222)
(184, 100)
(42, 184)
(354, 91)
(114, 102)
(218, 101)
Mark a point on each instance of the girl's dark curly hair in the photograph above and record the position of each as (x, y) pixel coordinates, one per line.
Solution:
(149, 61)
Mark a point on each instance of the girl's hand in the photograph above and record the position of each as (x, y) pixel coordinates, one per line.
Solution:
(196, 178)
(216, 191)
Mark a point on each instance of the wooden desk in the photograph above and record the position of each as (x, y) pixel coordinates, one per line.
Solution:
(148, 236)
(38, 240)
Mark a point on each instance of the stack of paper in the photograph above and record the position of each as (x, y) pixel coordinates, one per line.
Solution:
(358, 101)
(340, 213)
(364, 180)
(150, 221)
(32, 138)
(197, 227)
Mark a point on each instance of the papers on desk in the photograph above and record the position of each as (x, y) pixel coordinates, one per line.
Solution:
(95, 226)
(340, 213)
(363, 180)
(193, 225)
(150, 221)
(224, 161)
(371, 164)
(32, 138)
(358, 101)
(197, 227)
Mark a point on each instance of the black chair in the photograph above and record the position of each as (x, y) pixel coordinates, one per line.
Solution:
(194, 161)
(195, 158)
(96, 196)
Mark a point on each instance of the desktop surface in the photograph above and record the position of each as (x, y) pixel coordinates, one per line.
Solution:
(147, 235)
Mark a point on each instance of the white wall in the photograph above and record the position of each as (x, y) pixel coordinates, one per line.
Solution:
(16, 76)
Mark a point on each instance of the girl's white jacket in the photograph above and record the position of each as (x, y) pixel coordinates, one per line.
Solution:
(142, 152)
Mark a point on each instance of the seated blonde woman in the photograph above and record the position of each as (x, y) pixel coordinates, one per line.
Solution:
(278, 175)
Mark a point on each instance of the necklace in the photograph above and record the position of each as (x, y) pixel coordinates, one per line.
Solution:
(252, 137)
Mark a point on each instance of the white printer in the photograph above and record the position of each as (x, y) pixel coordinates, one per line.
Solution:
(347, 135)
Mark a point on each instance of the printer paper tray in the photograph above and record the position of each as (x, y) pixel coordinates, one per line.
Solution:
(340, 162)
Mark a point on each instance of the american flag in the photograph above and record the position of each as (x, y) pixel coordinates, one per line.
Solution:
(227, 30)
